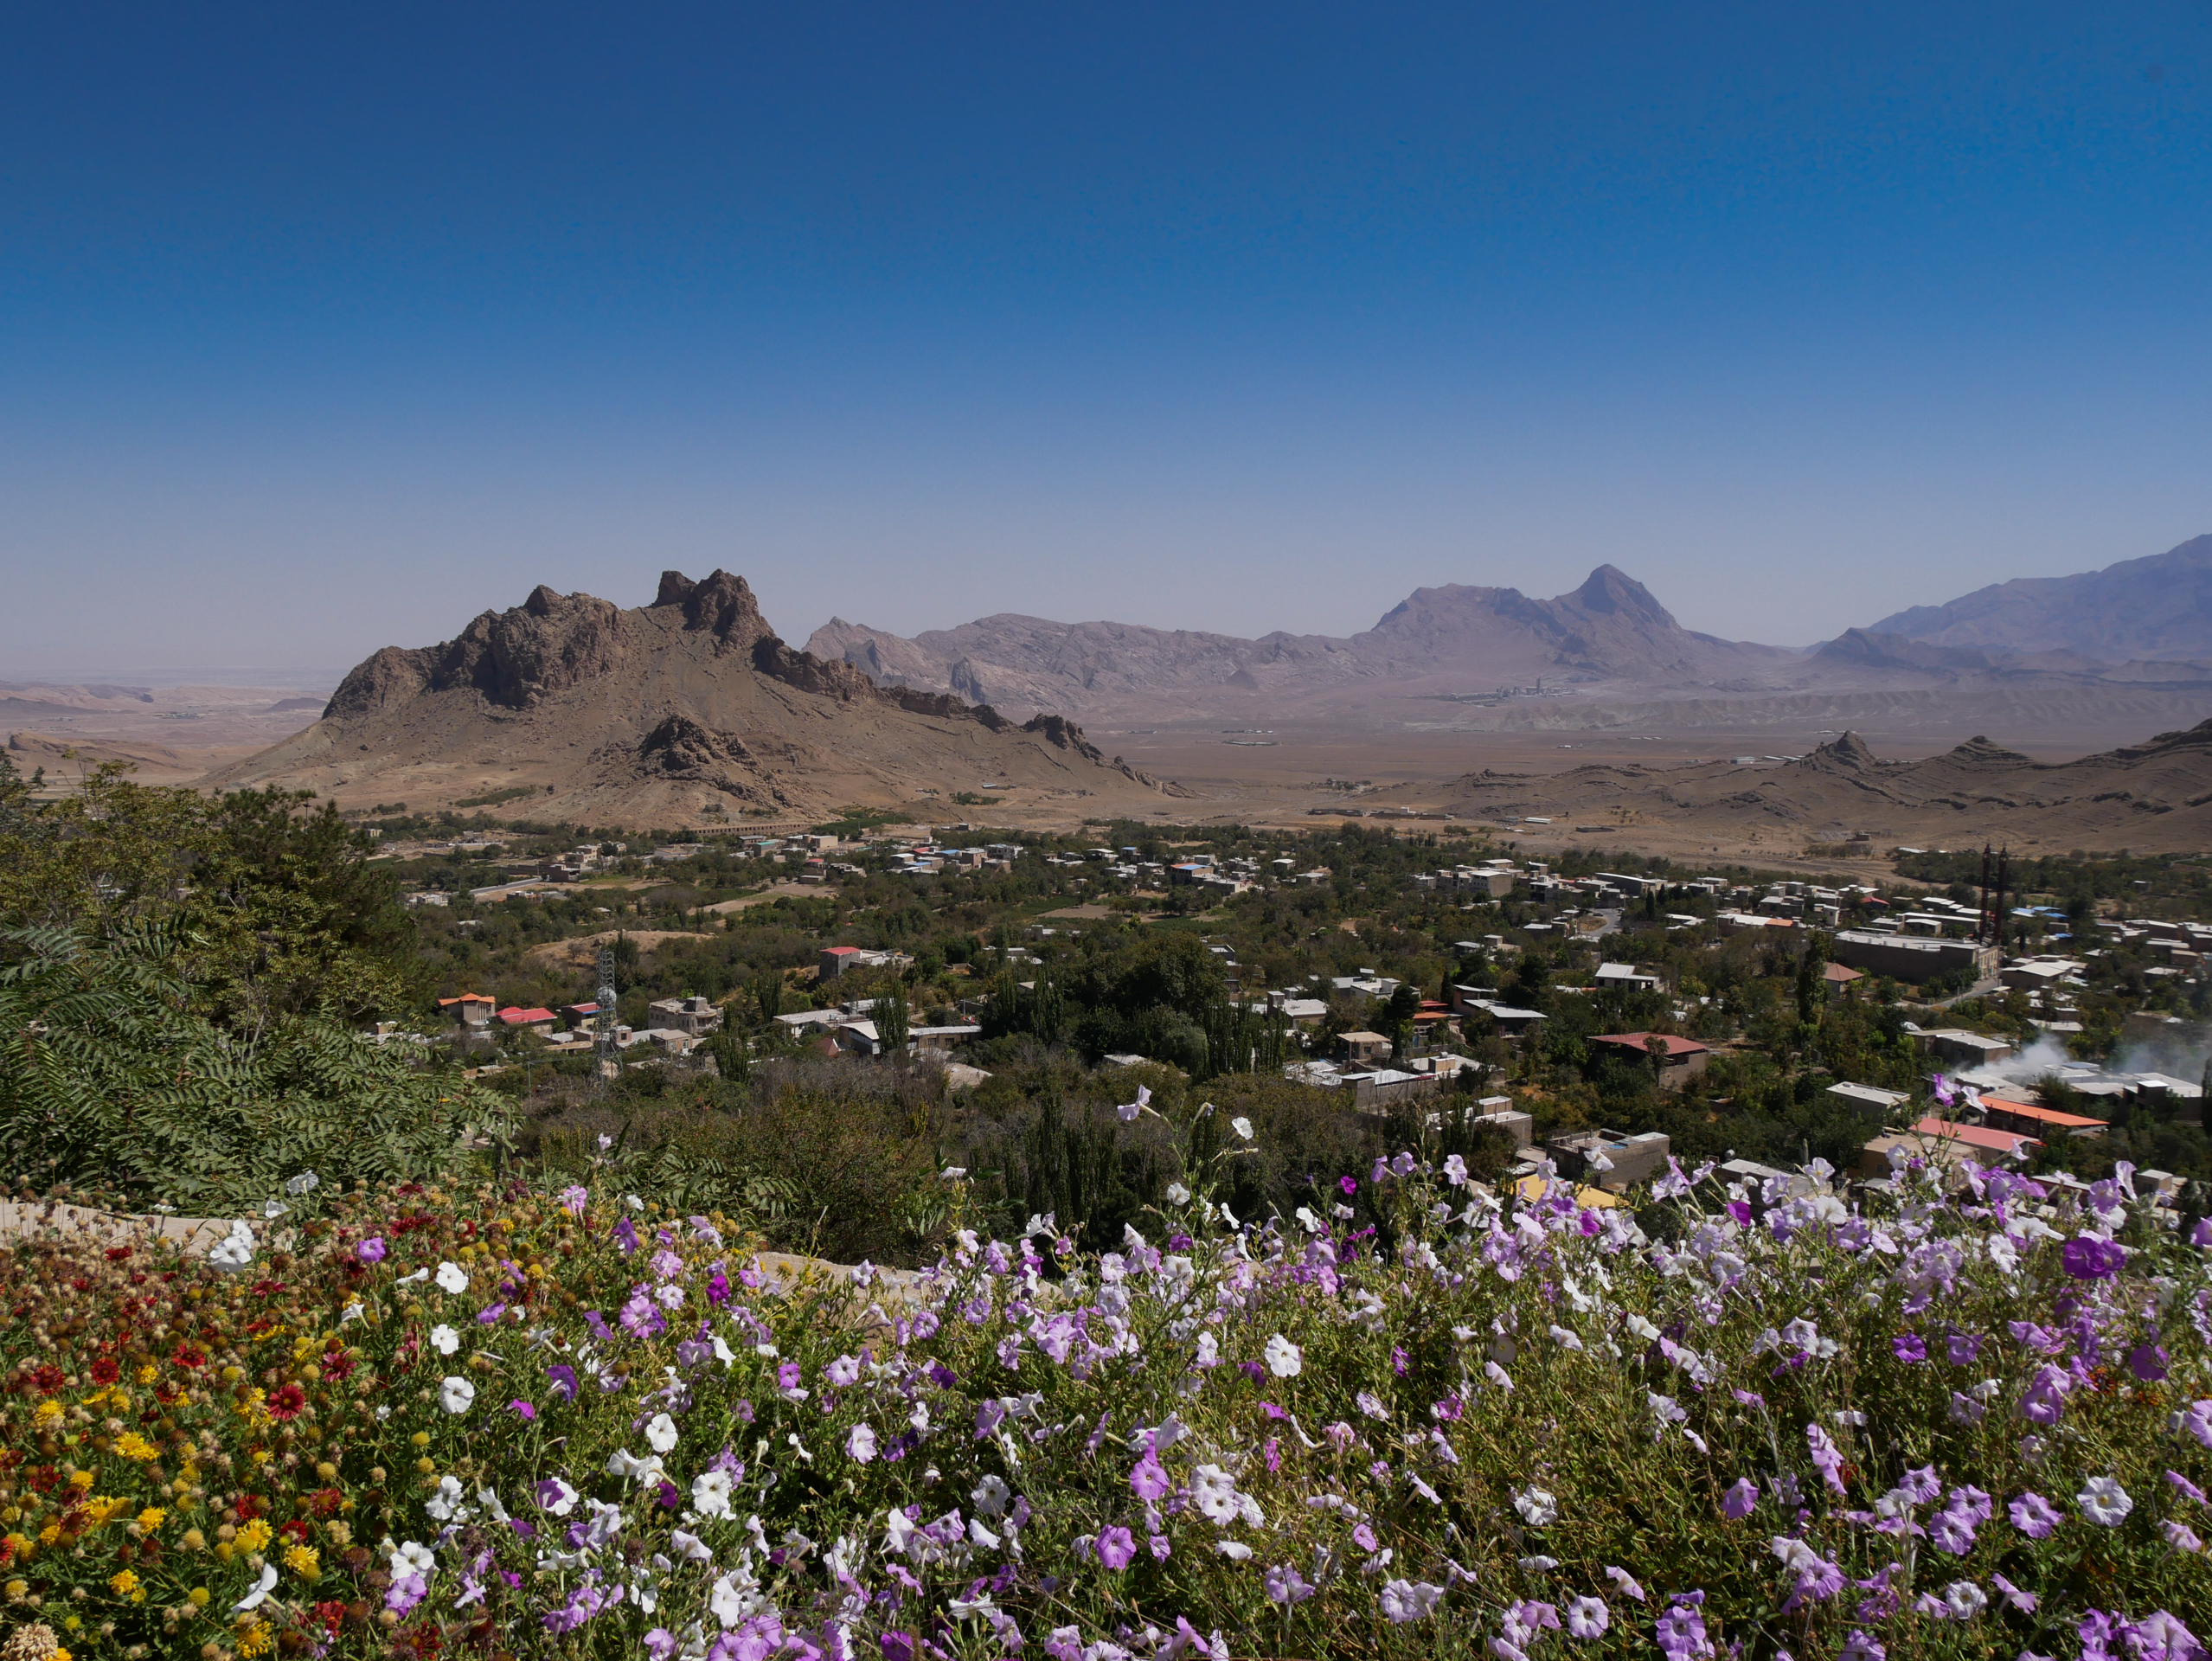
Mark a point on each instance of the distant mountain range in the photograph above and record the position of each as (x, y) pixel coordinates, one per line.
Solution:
(2155, 608)
(1446, 641)
(2135, 640)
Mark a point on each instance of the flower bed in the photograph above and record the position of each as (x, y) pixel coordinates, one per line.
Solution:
(522, 1422)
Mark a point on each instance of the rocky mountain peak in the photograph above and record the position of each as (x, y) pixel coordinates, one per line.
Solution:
(1609, 590)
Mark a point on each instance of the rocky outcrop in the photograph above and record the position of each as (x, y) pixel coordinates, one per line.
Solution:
(669, 708)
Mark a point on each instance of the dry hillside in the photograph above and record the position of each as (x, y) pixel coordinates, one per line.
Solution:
(688, 709)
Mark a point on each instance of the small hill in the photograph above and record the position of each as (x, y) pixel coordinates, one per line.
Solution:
(2155, 608)
(2155, 796)
(690, 709)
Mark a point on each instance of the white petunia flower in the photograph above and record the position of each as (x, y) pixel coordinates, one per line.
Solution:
(442, 1505)
(452, 1278)
(411, 1557)
(2103, 1500)
(1538, 1509)
(444, 1340)
(660, 1433)
(991, 1496)
(1213, 1491)
(710, 1492)
(258, 1595)
(456, 1394)
(1285, 1359)
(1242, 1127)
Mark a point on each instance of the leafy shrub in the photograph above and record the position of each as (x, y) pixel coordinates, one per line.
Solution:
(114, 1080)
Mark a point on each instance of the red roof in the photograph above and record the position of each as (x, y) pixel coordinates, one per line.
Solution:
(2005, 1142)
(1837, 971)
(520, 1017)
(1640, 1042)
(2049, 1116)
(840, 950)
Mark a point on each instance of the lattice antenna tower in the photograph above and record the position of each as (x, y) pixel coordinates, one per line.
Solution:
(606, 995)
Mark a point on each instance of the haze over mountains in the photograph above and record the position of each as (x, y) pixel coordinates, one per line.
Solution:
(2117, 651)
(686, 711)
(2155, 608)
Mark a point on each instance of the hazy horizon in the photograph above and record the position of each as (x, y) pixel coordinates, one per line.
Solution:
(325, 331)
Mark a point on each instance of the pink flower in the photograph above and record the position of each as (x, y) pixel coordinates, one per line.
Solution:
(1116, 1547)
(370, 1250)
(1150, 1479)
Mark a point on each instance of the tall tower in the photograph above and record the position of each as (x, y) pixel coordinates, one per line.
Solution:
(606, 996)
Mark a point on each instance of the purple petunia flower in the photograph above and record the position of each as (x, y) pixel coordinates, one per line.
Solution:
(2148, 1361)
(1116, 1547)
(2033, 1516)
(1827, 1458)
(2088, 1258)
(1349, 1185)
(1740, 1500)
(1681, 1630)
(1963, 1349)
(521, 1409)
(1909, 1348)
(626, 1236)
(2194, 1419)
(562, 1378)
(370, 1250)
(1150, 1479)
(1621, 1578)
(2188, 1488)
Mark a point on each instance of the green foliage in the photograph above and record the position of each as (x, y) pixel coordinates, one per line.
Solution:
(115, 1079)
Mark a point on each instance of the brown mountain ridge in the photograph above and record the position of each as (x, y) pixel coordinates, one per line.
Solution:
(689, 709)
(2151, 797)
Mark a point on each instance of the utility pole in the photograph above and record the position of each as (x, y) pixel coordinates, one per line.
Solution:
(1982, 932)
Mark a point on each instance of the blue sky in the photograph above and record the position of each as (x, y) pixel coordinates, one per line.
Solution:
(325, 327)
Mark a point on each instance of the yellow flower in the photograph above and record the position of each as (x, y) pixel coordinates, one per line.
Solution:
(305, 1561)
(257, 1640)
(18, 1590)
(194, 1541)
(131, 1445)
(252, 1536)
(123, 1582)
(46, 1412)
(145, 1372)
(152, 1518)
(197, 1597)
(80, 1479)
(21, 1545)
(49, 1534)
(58, 1654)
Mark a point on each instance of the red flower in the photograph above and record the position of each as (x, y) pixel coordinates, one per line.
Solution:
(325, 1501)
(338, 1364)
(186, 1356)
(118, 1253)
(47, 1379)
(285, 1402)
(106, 1370)
(332, 1615)
(298, 1530)
(43, 1478)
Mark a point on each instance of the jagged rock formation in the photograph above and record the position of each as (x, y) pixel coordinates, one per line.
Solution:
(688, 709)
